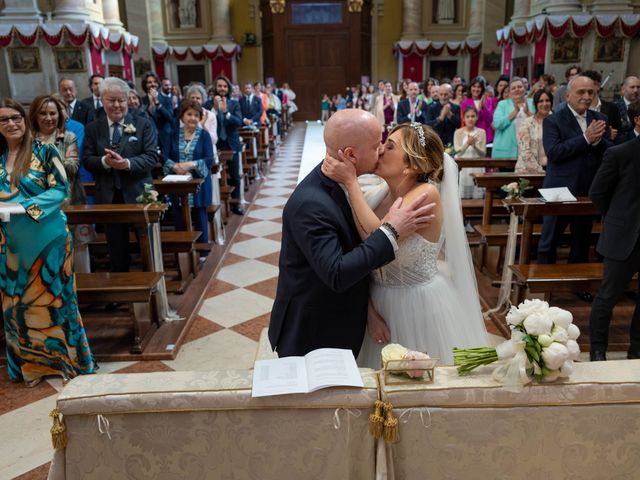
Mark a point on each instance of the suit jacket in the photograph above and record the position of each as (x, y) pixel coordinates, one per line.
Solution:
(82, 113)
(91, 106)
(230, 123)
(626, 125)
(323, 287)
(571, 161)
(404, 110)
(140, 148)
(162, 116)
(614, 192)
(448, 126)
(251, 110)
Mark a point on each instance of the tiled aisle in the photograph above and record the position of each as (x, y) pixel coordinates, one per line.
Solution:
(224, 335)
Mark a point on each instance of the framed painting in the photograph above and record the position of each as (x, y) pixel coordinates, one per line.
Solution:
(69, 59)
(565, 50)
(609, 49)
(25, 60)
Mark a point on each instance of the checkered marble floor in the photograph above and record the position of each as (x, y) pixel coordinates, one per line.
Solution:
(224, 335)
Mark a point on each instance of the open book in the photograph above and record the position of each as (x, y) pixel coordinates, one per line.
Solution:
(322, 368)
(177, 178)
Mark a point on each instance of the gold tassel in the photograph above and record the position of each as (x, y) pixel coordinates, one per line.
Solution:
(391, 434)
(376, 420)
(58, 431)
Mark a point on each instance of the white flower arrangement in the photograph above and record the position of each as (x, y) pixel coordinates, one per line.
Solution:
(129, 128)
(543, 346)
(399, 359)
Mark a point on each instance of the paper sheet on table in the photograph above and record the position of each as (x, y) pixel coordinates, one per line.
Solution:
(560, 194)
(6, 212)
(177, 178)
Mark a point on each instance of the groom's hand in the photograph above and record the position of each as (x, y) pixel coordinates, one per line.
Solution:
(406, 220)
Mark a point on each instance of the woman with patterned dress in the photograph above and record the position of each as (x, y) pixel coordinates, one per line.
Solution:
(191, 153)
(531, 155)
(42, 324)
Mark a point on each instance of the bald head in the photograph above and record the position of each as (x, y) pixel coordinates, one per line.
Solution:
(580, 93)
(357, 133)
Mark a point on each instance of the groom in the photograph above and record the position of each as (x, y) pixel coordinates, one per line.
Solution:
(323, 287)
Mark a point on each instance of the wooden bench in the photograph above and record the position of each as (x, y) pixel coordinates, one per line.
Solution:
(473, 207)
(137, 289)
(486, 162)
(547, 278)
(492, 183)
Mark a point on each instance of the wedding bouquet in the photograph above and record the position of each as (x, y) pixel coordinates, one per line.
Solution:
(516, 189)
(543, 346)
(148, 195)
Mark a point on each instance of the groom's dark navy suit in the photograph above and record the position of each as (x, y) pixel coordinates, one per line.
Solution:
(323, 287)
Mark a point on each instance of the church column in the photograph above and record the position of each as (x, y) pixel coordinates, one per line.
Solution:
(70, 11)
(476, 20)
(155, 22)
(411, 20)
(611, 7)
(564, 7)
(111, 12)
(221, 22)
(20, 11)
(521, 11)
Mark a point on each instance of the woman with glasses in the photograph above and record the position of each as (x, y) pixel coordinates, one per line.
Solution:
(43, 329)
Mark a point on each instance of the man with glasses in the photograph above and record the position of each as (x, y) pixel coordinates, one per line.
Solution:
(120, 151)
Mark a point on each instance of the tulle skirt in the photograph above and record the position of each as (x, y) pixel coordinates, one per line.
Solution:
(426, 317)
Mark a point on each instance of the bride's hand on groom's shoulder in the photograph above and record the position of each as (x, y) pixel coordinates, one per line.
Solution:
(339, 169)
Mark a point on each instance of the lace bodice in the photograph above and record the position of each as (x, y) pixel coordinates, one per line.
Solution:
(415, 263)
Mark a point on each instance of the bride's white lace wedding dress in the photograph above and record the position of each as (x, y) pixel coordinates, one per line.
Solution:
(422, 305)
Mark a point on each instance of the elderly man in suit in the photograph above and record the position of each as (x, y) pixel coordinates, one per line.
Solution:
(574, 140)
(444, 116)
(251, 106)
(77, 110)
(412, 109)
(120, 150)
(615, 193)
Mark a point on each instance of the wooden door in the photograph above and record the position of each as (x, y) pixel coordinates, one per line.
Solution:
(317, 47)
(190, 73)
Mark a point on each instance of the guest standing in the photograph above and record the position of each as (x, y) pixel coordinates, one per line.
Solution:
(483, 104)
(385, 108)
(412, 109)
(208, 120)
(470, 142)
(444, 116)
(76, 109)
(508, 116)
(630, 93)
(43, 328)
(191, 152)
(574, 139)
(614, 192)
(120, 150)
(531, 155)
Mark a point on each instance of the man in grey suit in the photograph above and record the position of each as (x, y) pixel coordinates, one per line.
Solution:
(120, 150)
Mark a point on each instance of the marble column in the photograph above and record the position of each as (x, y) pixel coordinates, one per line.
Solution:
(156, 25)
(20, 11)
(611, 7)
(521, 11)
(221, 22)
(69, 11)
(476, 19)
(111, 12)
(411, 20)
(564, 7)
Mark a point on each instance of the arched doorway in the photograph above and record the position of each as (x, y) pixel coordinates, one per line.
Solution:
(318, 47)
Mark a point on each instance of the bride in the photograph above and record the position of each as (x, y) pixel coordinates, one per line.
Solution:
(427, 298)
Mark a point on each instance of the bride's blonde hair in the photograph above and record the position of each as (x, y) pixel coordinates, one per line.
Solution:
(426, 160)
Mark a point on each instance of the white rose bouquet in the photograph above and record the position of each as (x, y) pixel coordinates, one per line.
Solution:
(148, 195)
(543, 346)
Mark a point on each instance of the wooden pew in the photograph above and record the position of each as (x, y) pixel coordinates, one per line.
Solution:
(136, 289)
(486, 162)
(145, 292)
(547, 278)
(492, 183)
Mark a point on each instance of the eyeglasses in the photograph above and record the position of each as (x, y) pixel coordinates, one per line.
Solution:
(113, 101)
(17, 119)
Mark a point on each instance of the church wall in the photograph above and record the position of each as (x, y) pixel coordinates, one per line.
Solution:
(244, 19)
(493, 19)
(386, 32)
(138, 19)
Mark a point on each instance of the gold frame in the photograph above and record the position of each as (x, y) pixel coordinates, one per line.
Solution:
(35, 55)
(58, 52)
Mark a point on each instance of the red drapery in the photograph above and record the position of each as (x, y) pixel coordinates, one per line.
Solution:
(506, 66)
(97, 66)
(474, 68)
(127, 66)
(412, 67)
(540, 51)
(221, 66)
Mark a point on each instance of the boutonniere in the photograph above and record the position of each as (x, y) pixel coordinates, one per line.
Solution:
(129, 128)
